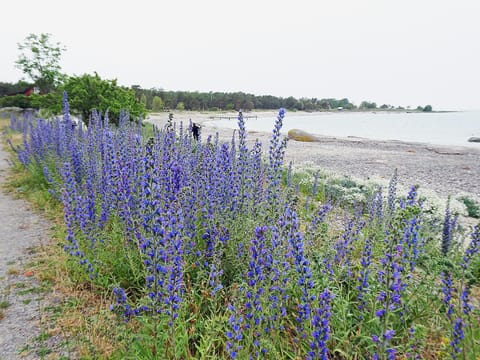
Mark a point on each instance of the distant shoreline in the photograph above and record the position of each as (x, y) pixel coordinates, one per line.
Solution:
(202, 115)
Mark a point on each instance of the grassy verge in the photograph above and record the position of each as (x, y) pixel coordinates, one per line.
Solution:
(82, 316)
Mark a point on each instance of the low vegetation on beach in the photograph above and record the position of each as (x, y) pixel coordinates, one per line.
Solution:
(208, 250)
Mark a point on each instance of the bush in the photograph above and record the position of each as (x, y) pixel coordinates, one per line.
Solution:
(89, 92)
(20, 101)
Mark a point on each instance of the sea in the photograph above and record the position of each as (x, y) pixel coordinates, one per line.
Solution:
(440, 128)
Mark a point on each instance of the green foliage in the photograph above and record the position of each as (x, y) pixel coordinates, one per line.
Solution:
(238, 100)
(90, 92)
(475, 271)
(473, 207)
(180, 106)
(157, 103)
(342, 190)
(4, 304)
(39, 60)
(143, 100)
(368, 105)
(19, 100)
(427, 108)
(85, 93)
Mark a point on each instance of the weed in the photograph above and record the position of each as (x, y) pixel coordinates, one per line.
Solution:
(473, 207)
(4, 304)
(13, 271)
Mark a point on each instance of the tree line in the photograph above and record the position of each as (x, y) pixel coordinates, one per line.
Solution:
(39, 61)
(159, 99)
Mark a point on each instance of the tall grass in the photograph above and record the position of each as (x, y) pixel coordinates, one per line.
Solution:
(209, 250)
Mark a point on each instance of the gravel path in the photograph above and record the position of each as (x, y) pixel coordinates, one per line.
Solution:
(24, 300)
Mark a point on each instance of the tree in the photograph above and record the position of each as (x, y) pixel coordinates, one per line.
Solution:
(427, 108)
(90, 92)
(143, 99)
(157, 103)
(39, 60)
(291, 103)
(180, 106)
(368, 105)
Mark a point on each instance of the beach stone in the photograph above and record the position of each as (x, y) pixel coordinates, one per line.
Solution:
(474, 139)
(300, 135)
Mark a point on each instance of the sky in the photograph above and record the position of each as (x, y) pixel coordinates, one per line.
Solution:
(403, 53)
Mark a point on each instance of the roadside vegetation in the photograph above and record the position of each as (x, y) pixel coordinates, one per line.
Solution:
(174, 248)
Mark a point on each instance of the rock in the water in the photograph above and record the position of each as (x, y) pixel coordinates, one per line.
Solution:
(300, 135)
(472, 139)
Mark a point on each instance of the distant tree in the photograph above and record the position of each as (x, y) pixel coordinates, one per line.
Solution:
(39, 60)
(346, 104)
(157, 103)
(324, 104)
(239, 100)
(137, 89)
(90, 92)
(419, 108)
(292, 103)
(247, 105)
(143, 100)
(180, 106)
(169, 98)
(307, 104)
(368, 105)
(427, 108)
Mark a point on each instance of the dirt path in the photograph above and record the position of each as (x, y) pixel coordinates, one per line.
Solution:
(24, 301)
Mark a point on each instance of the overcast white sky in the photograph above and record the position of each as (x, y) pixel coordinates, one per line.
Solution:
(408, 52)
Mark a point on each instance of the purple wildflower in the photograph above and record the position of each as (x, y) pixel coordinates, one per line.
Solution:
(321, 327)
(472, 249)
(457, 338)
(449, 224)
(447, 291)
(235, 333)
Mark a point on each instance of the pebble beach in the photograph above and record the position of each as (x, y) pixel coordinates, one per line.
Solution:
(442, 170)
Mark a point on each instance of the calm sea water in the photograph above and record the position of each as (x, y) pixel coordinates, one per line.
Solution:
(452, 128)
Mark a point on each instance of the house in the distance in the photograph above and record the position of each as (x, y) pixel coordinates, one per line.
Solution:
(27, 92)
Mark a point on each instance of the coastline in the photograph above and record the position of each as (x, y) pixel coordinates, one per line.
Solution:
(444, 170)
